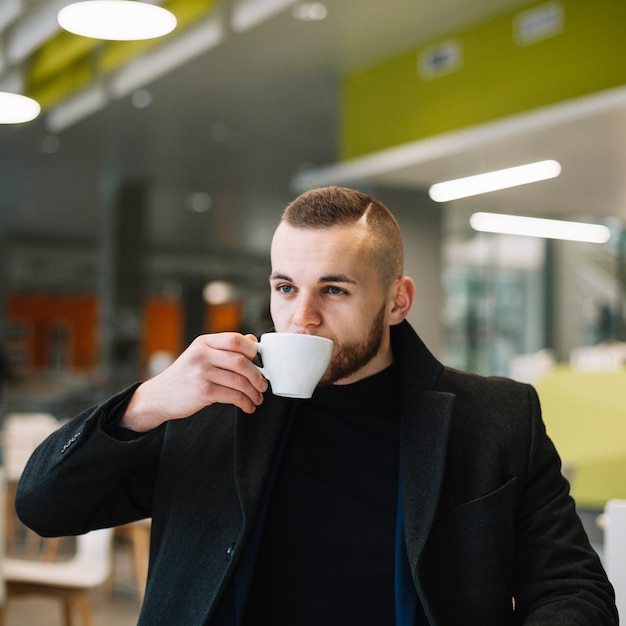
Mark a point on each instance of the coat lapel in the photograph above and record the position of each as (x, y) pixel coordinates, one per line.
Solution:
(426, 416)
(425, 426)
(257, 436)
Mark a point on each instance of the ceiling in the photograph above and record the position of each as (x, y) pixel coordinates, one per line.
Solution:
(587, 137)
(249, 121)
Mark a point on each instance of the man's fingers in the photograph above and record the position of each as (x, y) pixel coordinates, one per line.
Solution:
(221, 382)
(234, 369)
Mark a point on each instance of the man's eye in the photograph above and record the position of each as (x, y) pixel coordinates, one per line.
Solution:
(335, 291)
(285, 288)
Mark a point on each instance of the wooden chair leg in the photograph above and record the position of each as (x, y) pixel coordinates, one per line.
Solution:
(78, 603)
(9, 516)
(85, 608)
(141, 547)
(67, 611)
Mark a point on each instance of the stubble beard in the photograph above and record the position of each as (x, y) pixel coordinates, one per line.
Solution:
(351, 357)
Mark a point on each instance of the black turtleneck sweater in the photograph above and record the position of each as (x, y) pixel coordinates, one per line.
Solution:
(327, 549)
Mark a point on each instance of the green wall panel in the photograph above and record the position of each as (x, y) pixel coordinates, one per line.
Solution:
(389, 103)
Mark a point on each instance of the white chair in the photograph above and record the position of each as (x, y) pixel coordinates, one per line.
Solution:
(614, 521)
(2, 519)
(23, 432)
(70, 581)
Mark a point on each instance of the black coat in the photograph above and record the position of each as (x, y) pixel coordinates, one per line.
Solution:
(488, 521)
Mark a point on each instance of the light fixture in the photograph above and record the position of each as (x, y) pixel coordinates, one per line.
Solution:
(218, 292)
(539, 227)
(141, 99)
(247, 14)
(199, 202)
(155, 63)
(9, 10)
(494, 181)
(33, 28)
(310, 11)
(16, 109)
(120, 20)
(76, 108)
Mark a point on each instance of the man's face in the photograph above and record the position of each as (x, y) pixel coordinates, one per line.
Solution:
(323, 283)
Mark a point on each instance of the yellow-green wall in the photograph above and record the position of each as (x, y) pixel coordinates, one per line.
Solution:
(389, 103)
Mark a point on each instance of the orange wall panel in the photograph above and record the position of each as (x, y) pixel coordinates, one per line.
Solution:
(163, 326)
(60, 330)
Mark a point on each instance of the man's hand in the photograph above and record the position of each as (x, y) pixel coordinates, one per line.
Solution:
(214, 368)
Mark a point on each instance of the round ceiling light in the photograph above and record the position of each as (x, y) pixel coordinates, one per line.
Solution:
(15, 109)
(120, 20)
(310, 11)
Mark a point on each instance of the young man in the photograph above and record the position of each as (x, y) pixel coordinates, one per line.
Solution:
(402, 492)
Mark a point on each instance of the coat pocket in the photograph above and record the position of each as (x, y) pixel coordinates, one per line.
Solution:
(485, 549)
(489, 508)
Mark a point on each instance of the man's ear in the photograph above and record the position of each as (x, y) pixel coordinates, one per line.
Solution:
(402, 296)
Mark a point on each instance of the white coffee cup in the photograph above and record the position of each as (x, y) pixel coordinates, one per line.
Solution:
(294, 363)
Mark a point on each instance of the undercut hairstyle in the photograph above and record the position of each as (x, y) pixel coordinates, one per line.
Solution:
(339, 206)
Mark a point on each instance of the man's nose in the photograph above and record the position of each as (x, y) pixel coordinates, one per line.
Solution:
(306, 313)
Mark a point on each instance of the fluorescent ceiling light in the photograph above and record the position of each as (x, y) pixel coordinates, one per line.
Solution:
(250, 13)
(494, 181)
(121, 20)
(150, 66)
(32, 30)
(9, 11)
(310, 11)
(15, 109)
(539, 227)
(76, 108)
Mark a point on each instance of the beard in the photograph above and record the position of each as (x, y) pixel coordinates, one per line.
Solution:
(352, 356)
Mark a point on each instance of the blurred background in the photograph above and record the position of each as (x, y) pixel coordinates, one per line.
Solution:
(136, 209)
(161, 166)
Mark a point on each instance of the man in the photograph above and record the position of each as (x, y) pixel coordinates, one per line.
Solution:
(402, 492)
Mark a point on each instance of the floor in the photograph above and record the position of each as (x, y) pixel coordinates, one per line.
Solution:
(117, 611)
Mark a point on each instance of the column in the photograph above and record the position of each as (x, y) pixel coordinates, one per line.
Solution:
(122, 285)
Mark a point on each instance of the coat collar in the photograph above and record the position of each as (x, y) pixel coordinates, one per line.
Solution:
(425, 424)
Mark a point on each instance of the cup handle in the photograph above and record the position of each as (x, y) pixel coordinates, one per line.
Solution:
(260, 368)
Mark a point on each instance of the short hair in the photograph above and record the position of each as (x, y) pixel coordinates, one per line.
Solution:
(332, 206)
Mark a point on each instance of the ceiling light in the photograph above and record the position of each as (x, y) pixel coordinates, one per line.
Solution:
(494, 181)
(76, 108)
(247, 14)
(218, 292)
(34, 27)
(149, 66)
(199, 202)
(15, 109)
(539, 227)
(310, 11)
(9, 10)
(121, 20)
(141, 99)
